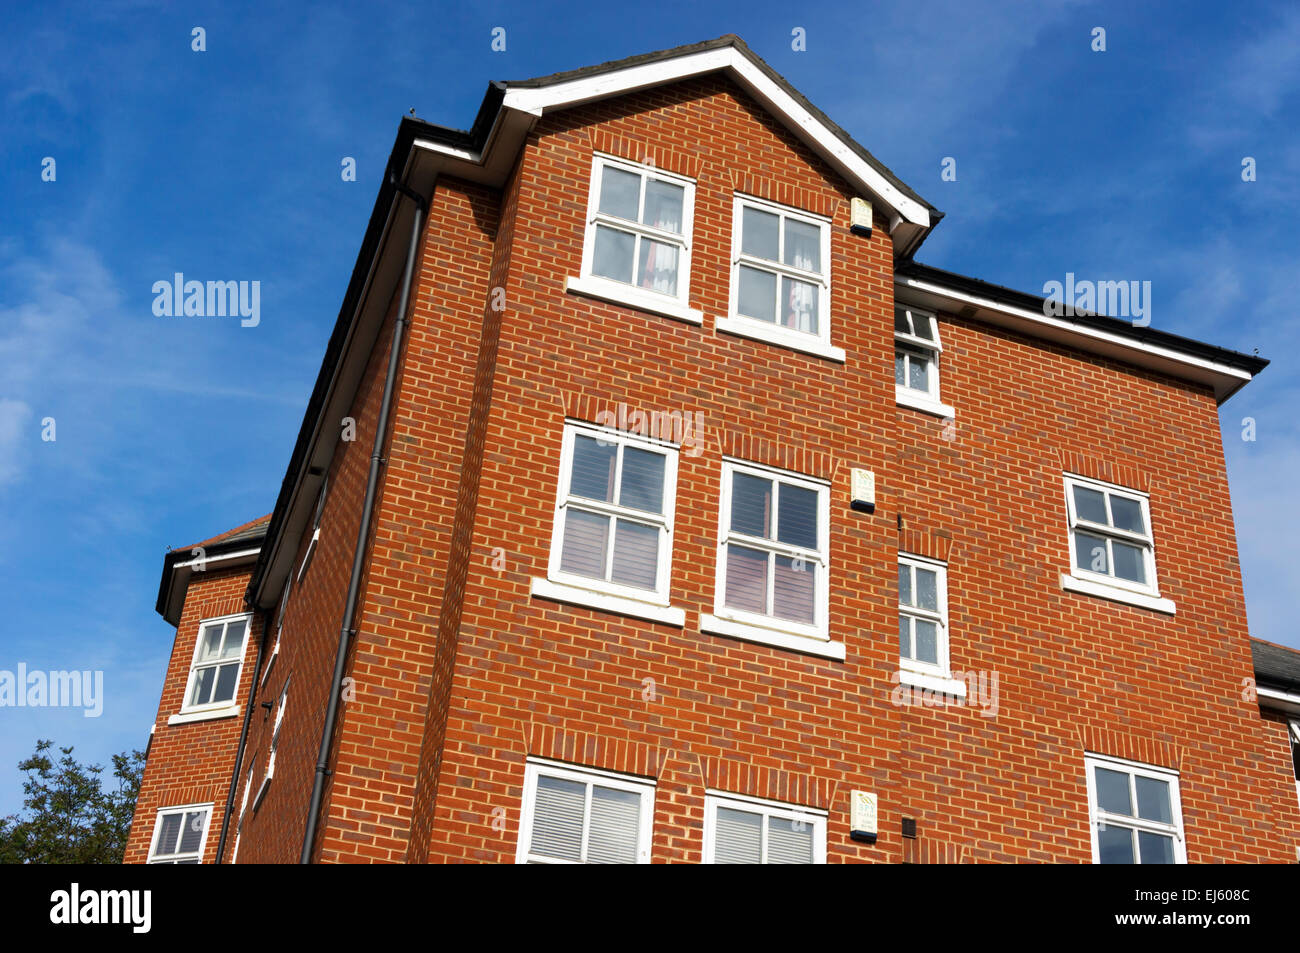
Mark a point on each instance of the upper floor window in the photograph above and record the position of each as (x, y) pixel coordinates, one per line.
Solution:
(180, 834)
(749, 831)
(275, 743)
(583, 816)
(1135, 812)
(218, 658)
(916, 360)
(923, 615)
(1110, 534)
(315, 529)
(637, 248)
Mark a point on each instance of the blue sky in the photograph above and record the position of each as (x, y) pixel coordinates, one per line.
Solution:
(224, 164)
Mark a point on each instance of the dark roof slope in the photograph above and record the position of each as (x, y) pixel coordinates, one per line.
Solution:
(1276, 666)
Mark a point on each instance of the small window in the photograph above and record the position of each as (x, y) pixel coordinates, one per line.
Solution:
(1110, 535)
(780, 276)
(279, 626)
(923, 615)
(315, 529)
(218, 658)
(180, 834)
(583, 816)
(275, 743)
(1135, 811)
(1295, 753)
(916, 354)
(614, 514)
(773, 557)
(750, 831)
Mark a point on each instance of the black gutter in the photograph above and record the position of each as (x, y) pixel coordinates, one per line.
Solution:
(346, 631)
(243, 739)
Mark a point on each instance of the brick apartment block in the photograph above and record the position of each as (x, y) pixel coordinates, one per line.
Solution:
(664, 564)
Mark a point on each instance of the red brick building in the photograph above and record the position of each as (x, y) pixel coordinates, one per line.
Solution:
(655, 560)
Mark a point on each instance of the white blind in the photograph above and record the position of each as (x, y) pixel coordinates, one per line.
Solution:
(789, 841)
(557, 818)
(615, 826)
(737, 837)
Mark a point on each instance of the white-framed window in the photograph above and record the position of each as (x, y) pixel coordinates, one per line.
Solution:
(1294, 735)
(1135, 813)
(218, 659)
(780, 275)
(1110, 535)
(275, 743)
(315, 529)
(773, 550)
(279, 626)
(923, 615)
(637, 246)
(614, 514)
(916, 360)
(180, 834)
(573, 815)
(745, 830)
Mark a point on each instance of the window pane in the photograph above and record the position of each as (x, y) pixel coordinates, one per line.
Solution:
(918, 372)
(168, 834)
(557, 818)
(921, 326)
(757, 294)
(751, 505)
(643, 480)
(789, 841)
(927, 589)
(746, 579)
(210, 645)
(593, 468)
(900, 369)
(1129, 562)
(586, 536)
(759, 236)
(192, 832)
(1155, 848)
(226, 676)
(1112, 792)
(658, 267)
(803, 245)
(901, 324)
(793, 590)
(1127, 514)
(613, 255)
(799, 305)
(615, 819)
(1090, 553)
(234, 638)
(1115, 844)
(1090, 505)
(798, 516)
(203, 683)
(904, 636)
(1153, 800)
(636, 555)
(927, 641)
(905, 585)
(737, 837)
(620, 193)
(663, 205)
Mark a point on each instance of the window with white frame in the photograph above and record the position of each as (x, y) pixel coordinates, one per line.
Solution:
(275, 743)
(1110, 534)
(638, 234)
(1135, 813)
(574, 815)
(179, 835)
(315, 529)
(780, 275)
(916, 353)
(741, 830)
(218, 658)
(614, 513)
(773, 553)
(279, 626)
(1295, 753)
(923, 614)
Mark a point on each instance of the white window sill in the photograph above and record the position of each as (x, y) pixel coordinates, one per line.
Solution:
(905, 397)
(781, 639)
(618, 293)
(794, 340)
(935, 683)
(1088, 587)
(669, 615)
(185, 718)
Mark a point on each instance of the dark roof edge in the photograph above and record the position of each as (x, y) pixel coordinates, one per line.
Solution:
(1275, 666)
(211, 551)
(1021, 299)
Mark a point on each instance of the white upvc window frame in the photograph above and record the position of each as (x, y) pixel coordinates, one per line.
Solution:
(181, 809)
(610, 595)
(279, 627)
(1085, 579)
(315, 530)
(275, 742)
(813, 638)
(536, 767)
(733, 322)
(814, 817)
(632, 295)
(916, 347)
(1096, 816)
(215, 707)
(1293, 732)
(943, 667)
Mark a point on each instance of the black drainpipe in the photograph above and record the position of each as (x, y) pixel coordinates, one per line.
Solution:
(243, 738)
(363, 532)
